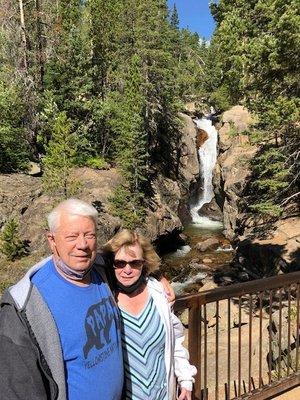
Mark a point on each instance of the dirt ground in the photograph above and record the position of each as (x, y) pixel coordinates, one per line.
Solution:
(291, 395)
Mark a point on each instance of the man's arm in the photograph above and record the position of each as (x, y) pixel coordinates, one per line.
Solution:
(166, 284)
(20, 374)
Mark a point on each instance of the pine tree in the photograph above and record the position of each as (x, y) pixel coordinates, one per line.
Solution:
(14, 149)
(257, 51)
(60, 159)
(131, 144)
(174, 19)
(12, 246)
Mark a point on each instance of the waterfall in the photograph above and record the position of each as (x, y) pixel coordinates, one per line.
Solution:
(208, 157)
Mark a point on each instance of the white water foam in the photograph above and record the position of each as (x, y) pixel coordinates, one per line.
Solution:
(208, 157)
(181, 251)
(224, 249)
(180, 286)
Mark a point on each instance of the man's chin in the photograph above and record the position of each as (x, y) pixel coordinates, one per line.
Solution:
(82, 265)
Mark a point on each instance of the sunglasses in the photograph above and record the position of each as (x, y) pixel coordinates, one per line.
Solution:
(137, 264)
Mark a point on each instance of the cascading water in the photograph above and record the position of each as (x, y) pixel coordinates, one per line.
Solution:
(208, 158)
(188, 266)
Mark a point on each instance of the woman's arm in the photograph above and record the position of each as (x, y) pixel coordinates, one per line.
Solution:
(184, 371)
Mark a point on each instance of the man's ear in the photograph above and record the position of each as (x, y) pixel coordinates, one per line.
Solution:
(51, 242)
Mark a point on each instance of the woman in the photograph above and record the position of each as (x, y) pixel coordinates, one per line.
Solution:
(152, 335)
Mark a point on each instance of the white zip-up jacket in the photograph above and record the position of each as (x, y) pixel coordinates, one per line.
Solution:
(176, 355)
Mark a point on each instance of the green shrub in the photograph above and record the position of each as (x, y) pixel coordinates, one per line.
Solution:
(233, 131)
(267, 207)
(96, 163)
(12, 246)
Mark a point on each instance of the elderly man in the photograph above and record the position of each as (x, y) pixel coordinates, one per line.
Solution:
(59, 325)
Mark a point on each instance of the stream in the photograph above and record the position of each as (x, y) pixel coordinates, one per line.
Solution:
(188, 268)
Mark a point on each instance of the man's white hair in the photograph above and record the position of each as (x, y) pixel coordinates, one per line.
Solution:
(71, 207)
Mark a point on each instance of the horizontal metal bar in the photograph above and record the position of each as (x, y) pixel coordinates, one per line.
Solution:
(234, 290)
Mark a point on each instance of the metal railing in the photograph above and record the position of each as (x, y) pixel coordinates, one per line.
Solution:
(244, 338)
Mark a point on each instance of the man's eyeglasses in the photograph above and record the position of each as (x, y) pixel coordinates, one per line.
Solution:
(137, 264)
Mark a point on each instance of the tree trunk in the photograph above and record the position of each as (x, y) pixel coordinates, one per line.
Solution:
(40, 45)
(23, 36)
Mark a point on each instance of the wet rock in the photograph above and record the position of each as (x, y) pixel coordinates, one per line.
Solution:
(196, 265)
(226, 280)
(243, 277)
(183, 237)
(202, 136)
(208, 284)
(207, 260)
(212, 210)
(210, 243)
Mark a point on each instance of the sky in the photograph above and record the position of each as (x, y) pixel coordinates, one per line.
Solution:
(195, 15)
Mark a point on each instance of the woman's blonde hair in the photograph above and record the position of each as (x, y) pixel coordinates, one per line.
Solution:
(127, 238)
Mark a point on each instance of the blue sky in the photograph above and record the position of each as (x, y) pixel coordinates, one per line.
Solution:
(195, 15)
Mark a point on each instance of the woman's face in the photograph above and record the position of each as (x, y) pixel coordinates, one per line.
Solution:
(128, 264)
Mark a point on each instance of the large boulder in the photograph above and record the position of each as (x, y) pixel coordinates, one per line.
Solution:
(266, 249)
(238, 117)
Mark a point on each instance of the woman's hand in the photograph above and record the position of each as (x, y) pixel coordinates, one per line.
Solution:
(185, 395)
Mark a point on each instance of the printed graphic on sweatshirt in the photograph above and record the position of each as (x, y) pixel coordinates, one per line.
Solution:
(99, 320)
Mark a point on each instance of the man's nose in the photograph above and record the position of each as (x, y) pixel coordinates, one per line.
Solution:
(81, 242)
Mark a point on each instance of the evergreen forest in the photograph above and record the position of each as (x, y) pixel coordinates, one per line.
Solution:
(100, 83)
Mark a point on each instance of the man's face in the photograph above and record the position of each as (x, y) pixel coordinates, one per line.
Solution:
(74, 241)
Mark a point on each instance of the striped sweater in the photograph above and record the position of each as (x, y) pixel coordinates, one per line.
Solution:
(143, 342)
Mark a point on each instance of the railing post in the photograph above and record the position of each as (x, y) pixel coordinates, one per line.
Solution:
(195, 346)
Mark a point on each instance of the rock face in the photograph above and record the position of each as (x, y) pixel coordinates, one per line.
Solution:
(237, 117)
(22, 197)
(263, 246)
(170, 201)
(232, 171)
(188, 169)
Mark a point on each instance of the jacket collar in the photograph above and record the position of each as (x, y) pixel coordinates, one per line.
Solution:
(20, 292)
